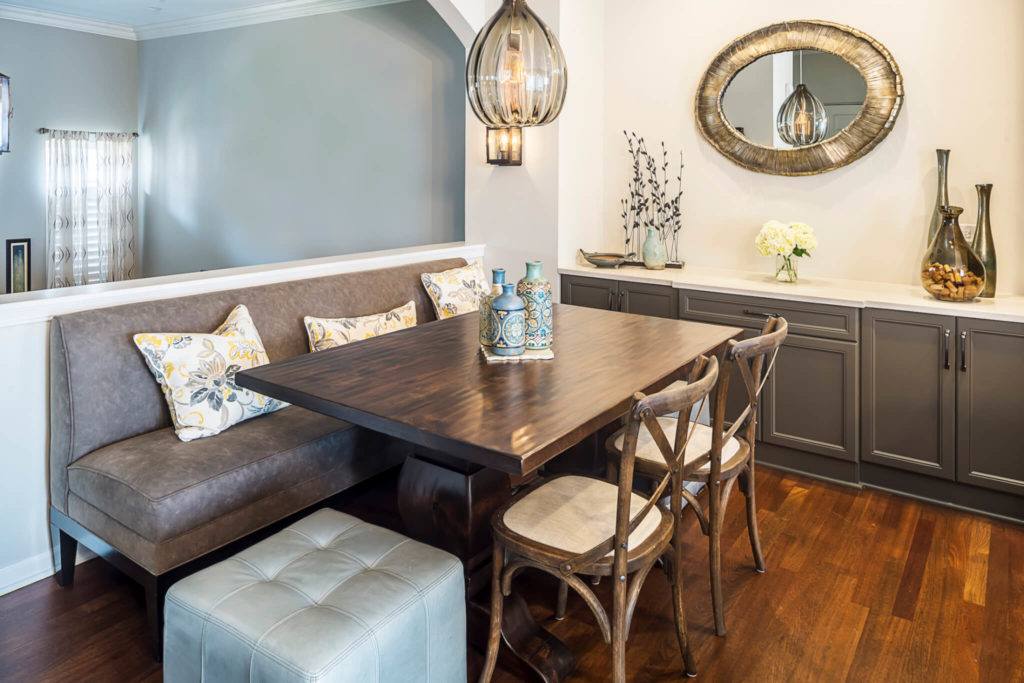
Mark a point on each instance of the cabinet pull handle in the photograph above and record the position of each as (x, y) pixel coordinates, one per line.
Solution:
(945, 349)
(757, 314)
(611, 300)
(963, 351)
(620, 301)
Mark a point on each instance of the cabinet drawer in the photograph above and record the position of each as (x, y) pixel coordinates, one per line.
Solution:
(811, 320)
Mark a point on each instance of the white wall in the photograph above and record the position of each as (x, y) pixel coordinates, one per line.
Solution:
(59, 79)
(871, 217)
(514, 209)
(330, 134)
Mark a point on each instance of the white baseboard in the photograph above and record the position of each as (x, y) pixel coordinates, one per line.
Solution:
(32, 569)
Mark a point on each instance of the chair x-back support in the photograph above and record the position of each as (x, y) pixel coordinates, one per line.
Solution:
(570, 526)
(714, 455)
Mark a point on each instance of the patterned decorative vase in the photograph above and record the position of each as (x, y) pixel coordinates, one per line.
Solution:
(983, 245)
(509, 312)
(536, 292)
(487, 328)
(655, 255)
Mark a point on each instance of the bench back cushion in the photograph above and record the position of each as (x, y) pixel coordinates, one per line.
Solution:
(102, 392)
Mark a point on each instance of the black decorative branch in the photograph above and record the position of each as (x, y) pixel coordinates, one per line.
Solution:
(649, 204)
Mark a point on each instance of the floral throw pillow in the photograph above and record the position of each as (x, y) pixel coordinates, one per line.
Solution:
(197, 374)
(326, 333)
(456, 291)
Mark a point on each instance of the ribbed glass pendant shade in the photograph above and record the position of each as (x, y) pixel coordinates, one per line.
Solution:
(802, 119)
(516, 74)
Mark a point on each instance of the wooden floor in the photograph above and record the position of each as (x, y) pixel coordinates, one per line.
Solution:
(861, 586)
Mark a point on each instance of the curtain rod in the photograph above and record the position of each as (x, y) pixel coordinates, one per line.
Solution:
(45, 131)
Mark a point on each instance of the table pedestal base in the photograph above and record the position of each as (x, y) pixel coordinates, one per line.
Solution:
(448, 503)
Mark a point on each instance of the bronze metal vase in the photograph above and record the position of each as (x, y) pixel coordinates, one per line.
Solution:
(982, 244)
(941, 194)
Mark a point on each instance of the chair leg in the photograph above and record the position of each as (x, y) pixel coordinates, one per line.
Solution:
(755, 538)
(611, 471)
(619, 632)
(679, 610)
(155, 588)
(563, 597)
(497, 604)
(65, 552)
(715, 555)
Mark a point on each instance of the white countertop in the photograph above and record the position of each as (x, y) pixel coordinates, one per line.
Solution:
(852, 293)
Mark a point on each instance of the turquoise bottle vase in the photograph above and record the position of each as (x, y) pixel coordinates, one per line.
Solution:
(536, 292)
(509, 313)
(487, 328)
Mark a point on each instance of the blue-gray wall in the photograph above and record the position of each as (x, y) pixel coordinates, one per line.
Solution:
(309, 137)
(59, 79)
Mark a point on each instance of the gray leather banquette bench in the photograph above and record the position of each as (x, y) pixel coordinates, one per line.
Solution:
(125, 486)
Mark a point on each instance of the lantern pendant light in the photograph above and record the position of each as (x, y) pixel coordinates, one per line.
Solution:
(802, 119)
(515, 73)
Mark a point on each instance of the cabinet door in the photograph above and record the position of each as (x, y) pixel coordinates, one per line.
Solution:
(810, 398)
(990, 419)
(908, 392)
(659, 301)
(590, 292)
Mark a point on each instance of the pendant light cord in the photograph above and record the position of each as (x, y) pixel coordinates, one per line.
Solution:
(801, 66)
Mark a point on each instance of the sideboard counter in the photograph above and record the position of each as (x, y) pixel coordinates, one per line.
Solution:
(858, 294)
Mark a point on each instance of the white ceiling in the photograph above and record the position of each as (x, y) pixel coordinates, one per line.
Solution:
(136, 13)
(144, 19)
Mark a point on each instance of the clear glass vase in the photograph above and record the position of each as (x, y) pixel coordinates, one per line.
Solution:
(950, 270)
(785, 268)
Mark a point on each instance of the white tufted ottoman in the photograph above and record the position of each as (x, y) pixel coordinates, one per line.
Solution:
(330, 598)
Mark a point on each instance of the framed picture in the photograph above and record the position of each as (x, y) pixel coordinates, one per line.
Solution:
(19, 266)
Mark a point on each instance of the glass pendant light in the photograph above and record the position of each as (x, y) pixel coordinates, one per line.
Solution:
(516, 74)
(802, 119)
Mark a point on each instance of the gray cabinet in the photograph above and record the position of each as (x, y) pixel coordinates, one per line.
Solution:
(809, 407)
(990, 412)
(658, 301)
(810, 399)
(590, 292)
(909, 388)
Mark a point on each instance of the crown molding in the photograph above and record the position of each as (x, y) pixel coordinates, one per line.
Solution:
(66, 21)
(261, 14)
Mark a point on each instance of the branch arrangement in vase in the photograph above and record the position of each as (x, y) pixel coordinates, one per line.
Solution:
(649, 204)
(786, 242)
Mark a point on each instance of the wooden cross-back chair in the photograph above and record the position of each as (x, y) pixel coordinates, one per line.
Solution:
(571, 526)
(716, 455)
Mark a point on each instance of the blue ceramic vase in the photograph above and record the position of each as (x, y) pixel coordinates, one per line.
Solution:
(509, 313)
(655, 254)
(487, 327)
(535, 291)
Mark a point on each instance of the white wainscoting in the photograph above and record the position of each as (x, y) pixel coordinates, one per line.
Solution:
(24, 382)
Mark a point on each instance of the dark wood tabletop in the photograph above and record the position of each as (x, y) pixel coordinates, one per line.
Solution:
(430, 384)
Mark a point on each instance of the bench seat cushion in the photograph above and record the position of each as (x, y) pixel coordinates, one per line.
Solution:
(330, 598)
(160, 487)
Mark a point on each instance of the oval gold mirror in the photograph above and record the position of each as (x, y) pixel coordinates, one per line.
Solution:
(799, 98)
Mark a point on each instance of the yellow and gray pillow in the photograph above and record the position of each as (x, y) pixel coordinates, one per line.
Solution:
(327, 333)
(196, 372)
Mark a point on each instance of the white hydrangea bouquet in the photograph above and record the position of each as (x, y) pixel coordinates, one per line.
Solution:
(785, 241)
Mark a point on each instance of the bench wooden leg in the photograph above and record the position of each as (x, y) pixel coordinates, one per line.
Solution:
(65, 552)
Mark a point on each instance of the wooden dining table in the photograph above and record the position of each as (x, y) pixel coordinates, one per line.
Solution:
(477, 428)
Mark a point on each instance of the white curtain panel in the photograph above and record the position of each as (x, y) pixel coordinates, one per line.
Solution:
(115, 192)
(90, 215)
(67, 182)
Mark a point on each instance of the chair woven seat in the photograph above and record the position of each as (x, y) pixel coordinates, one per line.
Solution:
(574, 514)
(698, 445)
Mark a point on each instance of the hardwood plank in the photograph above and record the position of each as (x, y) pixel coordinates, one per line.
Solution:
(977, 567)
(913, 572)
(829, 618)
